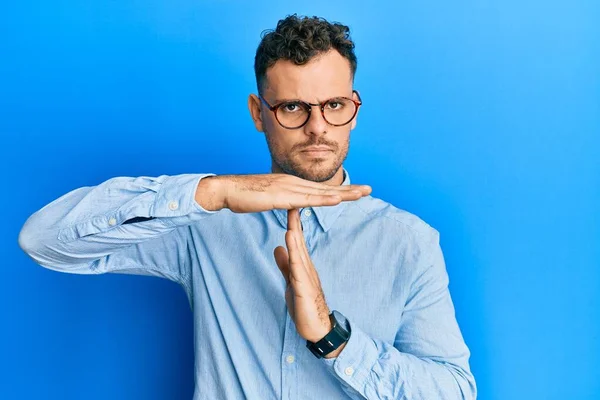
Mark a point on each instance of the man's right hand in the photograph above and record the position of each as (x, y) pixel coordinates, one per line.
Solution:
(263, 192)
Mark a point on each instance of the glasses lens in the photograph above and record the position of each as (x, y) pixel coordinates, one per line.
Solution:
(339, 111)
(292, 114)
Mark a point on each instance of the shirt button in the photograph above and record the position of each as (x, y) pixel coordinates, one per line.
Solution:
(112, 221)
(173, 205)
(349, 371)
(307, 213)
(289, 359)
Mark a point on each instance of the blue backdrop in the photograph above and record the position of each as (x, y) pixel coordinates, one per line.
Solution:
(481, 117)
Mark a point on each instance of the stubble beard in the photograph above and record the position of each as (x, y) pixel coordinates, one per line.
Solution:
(316, 169)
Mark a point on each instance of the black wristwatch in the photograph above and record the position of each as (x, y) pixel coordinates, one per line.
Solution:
(339, 334)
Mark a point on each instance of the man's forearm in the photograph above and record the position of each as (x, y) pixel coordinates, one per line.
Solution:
(371, 369)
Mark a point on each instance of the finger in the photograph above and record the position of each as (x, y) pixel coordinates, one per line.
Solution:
(294, 254)
(321, 187)
(317, 197)
(293, 220)
(299, 200)
(290, 302)
(346, 195)
(363, 189)
(296, 224)
(282, 260)
(347, 192)
(296, 265)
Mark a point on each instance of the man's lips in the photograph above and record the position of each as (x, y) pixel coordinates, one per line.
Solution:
(317, 152)
(316, 149)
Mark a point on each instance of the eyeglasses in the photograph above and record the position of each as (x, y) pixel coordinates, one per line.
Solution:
(294, 114)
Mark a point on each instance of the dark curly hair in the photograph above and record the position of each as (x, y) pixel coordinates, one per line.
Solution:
(299, 39)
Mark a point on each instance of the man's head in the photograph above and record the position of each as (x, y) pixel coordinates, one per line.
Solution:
(310, 60)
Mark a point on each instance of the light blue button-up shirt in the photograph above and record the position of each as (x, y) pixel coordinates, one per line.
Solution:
(380, 266)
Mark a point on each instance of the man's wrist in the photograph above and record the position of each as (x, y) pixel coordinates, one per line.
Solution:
(336, 352)
(332, 341)
(324, 329)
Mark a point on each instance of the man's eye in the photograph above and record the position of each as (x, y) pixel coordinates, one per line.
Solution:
(335, 105)
(290, 107)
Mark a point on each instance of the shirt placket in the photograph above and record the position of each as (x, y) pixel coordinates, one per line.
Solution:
(292, 340)
(289, 373)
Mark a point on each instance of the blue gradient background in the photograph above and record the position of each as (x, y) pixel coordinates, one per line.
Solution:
(481, 117)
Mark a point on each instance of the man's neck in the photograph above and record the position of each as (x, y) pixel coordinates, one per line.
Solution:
(336, 180)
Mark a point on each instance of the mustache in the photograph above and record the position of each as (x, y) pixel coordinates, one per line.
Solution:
(332, 146)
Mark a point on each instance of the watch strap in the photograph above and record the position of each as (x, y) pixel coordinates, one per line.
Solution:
(335, 338)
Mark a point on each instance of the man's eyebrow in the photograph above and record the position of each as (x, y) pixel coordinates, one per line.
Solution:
(286, 100)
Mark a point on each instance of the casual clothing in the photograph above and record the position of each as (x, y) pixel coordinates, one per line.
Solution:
(380, 266)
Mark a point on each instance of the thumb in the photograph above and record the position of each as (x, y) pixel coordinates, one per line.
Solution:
(282, 260)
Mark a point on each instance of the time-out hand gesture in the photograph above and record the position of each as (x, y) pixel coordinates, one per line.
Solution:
(262, 192)
(304, 296)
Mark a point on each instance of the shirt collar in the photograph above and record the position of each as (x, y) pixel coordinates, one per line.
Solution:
(326, 215)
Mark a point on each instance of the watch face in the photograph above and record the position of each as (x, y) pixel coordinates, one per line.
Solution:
(341, 320)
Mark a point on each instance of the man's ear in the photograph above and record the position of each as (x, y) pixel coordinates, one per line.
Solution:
(254, 106)
(355, 96)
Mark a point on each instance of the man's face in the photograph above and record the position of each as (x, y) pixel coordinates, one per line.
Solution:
(325, 76)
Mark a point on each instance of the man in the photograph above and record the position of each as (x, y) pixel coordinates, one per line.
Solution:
(302, 285)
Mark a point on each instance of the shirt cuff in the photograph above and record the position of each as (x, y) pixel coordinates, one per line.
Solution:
(177, 197)
(354, 363)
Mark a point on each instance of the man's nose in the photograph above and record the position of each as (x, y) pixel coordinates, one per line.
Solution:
(316, 124)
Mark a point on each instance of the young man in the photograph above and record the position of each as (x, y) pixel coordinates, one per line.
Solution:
(301, 284)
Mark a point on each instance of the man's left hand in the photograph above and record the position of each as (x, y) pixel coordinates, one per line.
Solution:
(304, 296)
